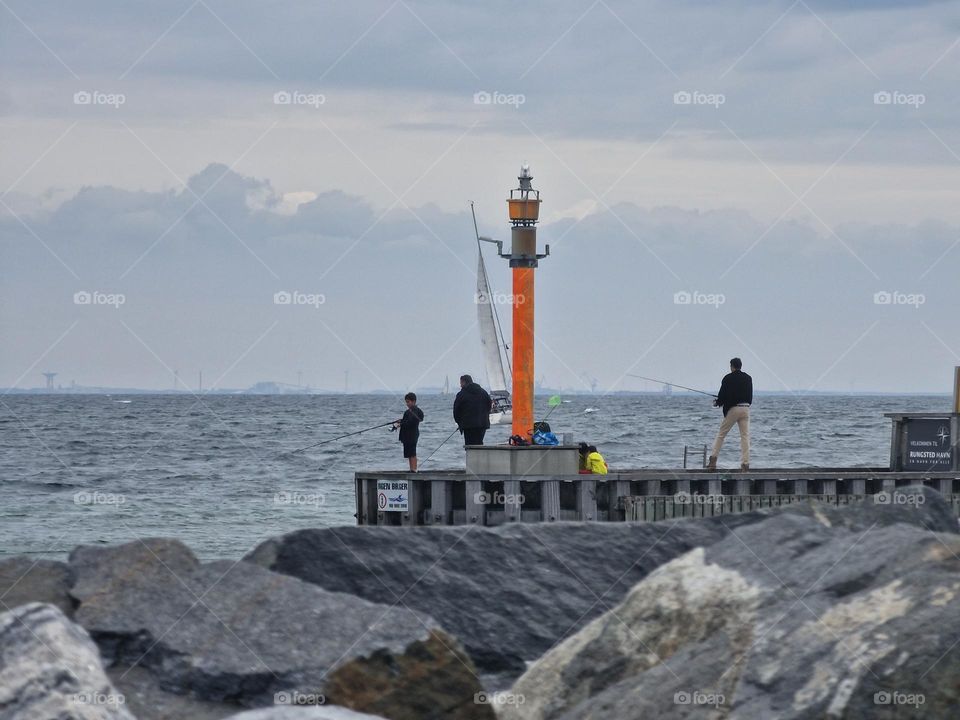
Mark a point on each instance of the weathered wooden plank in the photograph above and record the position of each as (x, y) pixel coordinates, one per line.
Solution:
(587, 499)
(369, 501)
(476, 506)
(799, 486)
(768, 487)
(414, 511)
(680, 486)
(441, 502)
(617, 489)
(857, 486)
(512, 501)
(358, 500)
(741, 486)
(895, 460)
(942, 486)
(550, 500)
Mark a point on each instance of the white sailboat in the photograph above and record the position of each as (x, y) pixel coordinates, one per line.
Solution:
(492, 343)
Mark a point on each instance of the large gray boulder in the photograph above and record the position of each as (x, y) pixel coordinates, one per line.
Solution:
(147, 700)
(236, 633)
(510, 593)
(50, 668)
(323, 712)
(797, 616)
(24, 580)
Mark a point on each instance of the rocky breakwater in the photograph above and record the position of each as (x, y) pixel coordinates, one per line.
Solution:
(813, 611)
(828, 613)
(511, 593)
(508, 593)
(202, 640)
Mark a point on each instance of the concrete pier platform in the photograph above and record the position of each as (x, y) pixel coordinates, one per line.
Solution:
(462, 497)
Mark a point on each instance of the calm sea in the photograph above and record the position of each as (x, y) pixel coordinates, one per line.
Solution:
(217, 473)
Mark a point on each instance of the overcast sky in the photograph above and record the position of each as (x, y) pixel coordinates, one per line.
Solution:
(790, 169)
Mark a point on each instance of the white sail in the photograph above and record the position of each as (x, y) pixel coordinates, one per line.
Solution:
(489, 340)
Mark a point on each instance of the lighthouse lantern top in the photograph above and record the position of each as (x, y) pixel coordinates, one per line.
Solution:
(524, 201)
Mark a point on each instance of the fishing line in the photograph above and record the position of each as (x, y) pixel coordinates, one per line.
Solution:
(664, 382)
(341, 437)
(421, 464)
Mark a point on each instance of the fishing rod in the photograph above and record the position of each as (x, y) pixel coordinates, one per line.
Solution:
(341, 437)
(438, 447)
(664, 382)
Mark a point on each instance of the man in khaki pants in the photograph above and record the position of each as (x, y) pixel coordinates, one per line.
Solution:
(735, 397)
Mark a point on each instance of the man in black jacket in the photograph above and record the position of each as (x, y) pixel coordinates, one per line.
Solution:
(735, 397)
(471, 411)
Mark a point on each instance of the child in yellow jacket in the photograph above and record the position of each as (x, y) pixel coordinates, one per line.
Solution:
(591, 461)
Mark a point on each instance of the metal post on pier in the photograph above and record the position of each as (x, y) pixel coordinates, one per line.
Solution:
(955, 420)
(956, 390)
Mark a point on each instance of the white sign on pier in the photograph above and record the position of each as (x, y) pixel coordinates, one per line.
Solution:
(393, 495)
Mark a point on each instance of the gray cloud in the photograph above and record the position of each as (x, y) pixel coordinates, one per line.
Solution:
(611, 73)
(399, 293)
(690, 214)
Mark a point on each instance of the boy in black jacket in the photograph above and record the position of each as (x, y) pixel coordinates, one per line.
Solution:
(409, 426)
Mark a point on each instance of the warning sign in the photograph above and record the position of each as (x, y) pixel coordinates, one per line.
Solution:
(393, 495)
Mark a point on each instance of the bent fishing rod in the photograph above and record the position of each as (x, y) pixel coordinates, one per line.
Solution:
(664, 382)
(341, 437)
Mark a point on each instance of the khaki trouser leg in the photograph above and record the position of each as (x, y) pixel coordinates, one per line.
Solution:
(739, 416)
(743, 425)
(725, 426)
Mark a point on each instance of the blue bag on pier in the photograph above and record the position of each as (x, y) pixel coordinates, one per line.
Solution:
(545, 438)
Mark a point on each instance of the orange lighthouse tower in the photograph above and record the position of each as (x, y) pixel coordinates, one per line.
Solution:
(524, 208)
